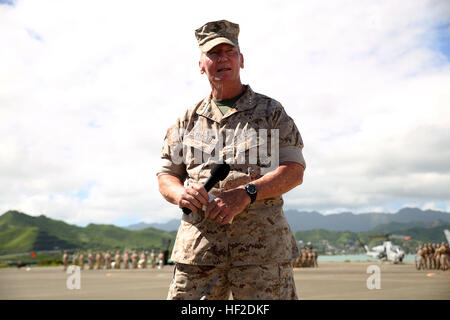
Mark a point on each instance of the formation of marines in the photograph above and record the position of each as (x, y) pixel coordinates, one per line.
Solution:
(433, 256)
(307, 259)
(107, 261)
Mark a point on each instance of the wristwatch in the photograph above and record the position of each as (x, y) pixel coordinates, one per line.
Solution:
(251, 191)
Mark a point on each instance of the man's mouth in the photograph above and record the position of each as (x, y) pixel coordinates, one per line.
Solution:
(223, 69)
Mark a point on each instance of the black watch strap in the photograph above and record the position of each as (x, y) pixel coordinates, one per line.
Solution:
(251, 191)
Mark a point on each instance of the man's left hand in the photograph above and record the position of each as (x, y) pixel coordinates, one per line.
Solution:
(227, 205)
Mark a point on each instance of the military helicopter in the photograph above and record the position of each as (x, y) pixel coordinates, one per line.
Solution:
(387, 251)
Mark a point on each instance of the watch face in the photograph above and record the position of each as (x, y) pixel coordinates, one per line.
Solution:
(251, 188)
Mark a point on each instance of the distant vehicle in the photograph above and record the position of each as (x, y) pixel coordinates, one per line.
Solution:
(387, 251)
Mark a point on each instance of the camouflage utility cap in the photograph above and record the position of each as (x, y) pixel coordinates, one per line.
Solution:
(216, 32)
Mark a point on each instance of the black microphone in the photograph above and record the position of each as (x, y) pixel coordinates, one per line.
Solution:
(218, 173)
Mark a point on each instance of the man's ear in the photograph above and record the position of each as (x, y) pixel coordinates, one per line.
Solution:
(200, 65)
(242, 60)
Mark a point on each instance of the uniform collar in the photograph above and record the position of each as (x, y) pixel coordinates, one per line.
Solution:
(211, 111)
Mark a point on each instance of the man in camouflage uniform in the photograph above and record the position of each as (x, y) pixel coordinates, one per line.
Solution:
(421, 258)
(134, 259)
(65, 260)
(239, 242)
(309, 257)
(160, 259)
(314, 259)
(153, 258)
(75, 259)
(91, 260)
(444, 256)
(117, 260)
(425, 254)
(437, 256)
(81, 260)
(99, 259)
(108, 259)
(303, 258)
(431, 260)
(126, 259)
(143, 260)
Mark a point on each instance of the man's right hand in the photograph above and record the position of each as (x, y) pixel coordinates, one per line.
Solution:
(194, 197)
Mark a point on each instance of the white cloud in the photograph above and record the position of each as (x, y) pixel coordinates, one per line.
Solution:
(91, 87)
(432, 206)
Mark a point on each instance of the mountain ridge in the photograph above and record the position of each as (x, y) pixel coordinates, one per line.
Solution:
(344, 221)
(20, 232)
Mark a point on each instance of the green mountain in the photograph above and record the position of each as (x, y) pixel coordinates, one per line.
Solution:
(348, 221)
(434, 234)
(20, 232)
(338, 241)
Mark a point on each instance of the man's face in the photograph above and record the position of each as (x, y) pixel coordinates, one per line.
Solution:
(222, 63)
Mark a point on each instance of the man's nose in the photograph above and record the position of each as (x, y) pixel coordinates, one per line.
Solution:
(222, 56)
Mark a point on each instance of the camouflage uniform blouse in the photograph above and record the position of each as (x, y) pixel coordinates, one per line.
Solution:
(260, 233)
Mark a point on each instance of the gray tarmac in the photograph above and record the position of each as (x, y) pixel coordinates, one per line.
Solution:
(332, 280)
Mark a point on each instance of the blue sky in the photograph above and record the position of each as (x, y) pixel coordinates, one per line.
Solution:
(86, 101)
(34, 35)
(7, 2)
(443, 40)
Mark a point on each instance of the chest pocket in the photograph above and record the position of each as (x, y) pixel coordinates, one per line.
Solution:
(200, 139)
(244, 168)
(247, 143)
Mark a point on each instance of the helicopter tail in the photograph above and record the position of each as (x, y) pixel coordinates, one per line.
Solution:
(363, 245)
(447, 235)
